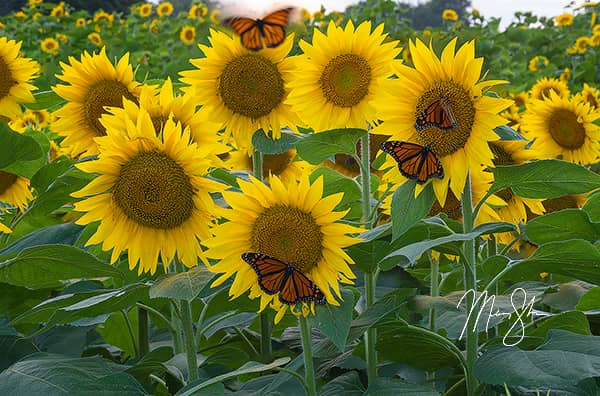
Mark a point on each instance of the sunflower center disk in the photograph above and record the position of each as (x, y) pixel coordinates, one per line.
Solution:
(441, 142)
(154, 191)
(288, 234)
(6, 180)
(251, 85)
(104, 93)
(501, 156)
(277, 163)
(345, 80)
(506, 194)
(566, 130)
(6, 79)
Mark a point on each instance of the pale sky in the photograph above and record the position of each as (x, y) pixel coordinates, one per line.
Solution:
(504, 9)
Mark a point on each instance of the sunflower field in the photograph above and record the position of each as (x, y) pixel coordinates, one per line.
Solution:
(302, 204)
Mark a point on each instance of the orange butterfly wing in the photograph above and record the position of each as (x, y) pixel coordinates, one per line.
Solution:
(438, 114)
(275, 276)
(414, 161)
(270, 29)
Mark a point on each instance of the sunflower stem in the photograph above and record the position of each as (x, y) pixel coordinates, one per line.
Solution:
(187, 324)
(370, 277)
(266, 349)
(309, 369)
(143, 341)
(470, 283)
(435, 288)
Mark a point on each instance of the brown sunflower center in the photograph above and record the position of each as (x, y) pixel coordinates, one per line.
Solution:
(101, 94)
(590, 98)
(289, 234)
(442, 142)
(345, 80)
(6, 180)
(189, 34)
(50, 45)
(566, 130)
(7, 79)
(560, 203)
(452, 207)
(158, 121)
(506, 194)
(153, 190)
(501, 156)
(277, 163)
(251, 85)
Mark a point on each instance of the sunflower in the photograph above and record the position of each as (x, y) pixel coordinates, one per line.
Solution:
(284, 165)
(59, 10)
(103, 16)
(94, 84)
(197, 11)
(187, 35)
(582, 43)
(163, 104)
(449, 15)
(50, 46)
(336, 75)
(150, 196)
(455, 77)
(4, 229)
(291, 222)
(145, 10)
(589, 95)
(14, 190)
(537, 63)
(562, 128)
(95, 39)
(565, 19)
(164, 9)
(542, 88)
(80, 22)
(240, 89)
(15, 74)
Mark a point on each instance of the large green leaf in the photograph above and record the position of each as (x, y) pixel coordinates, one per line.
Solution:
(17, 149)
(561, 226)
(592, 206)
(317, 147)
(248, 368)
(13, 349)
(574, 258)
(45, 100)
(347, 384)
(52, 266)
(572, 321)
(182, 286)
(591, 300)
(335, 322)
(100, 304)
(421, 348)
(51, 374)
(563, 360)
(545, 179)
(395, 386)
(112, 330)
(267, 145)
(61, 234)
(408, 210)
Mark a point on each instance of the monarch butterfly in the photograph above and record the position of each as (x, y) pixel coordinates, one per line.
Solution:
(270, 29)
(275, 276)
(414, 161)
(438, 114)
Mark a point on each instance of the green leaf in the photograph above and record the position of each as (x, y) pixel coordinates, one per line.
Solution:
(347, 384)
(561, 226)
(573, 321)
(507, 133)
(421, 348)
(317, 147)
(45, 100)
(248, 368)
(408, 210)
(119, 384)
(592, 206)
(100, 304)
(17, 149)
(214, 324)
(60, 234)
(395, 386)
(334, 182)
(335, 322)
(590, 300)
(13, 349)
(50, 374)
(563, 360)
(52, 266)
(368, 254)
(267, 145)
(182, 286)
(574, 258)
(113, 331)
(545, 179)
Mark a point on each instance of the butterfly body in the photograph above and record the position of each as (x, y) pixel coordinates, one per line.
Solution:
(438, 114)
(414, 161)
(276, 276)
(257, 33)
